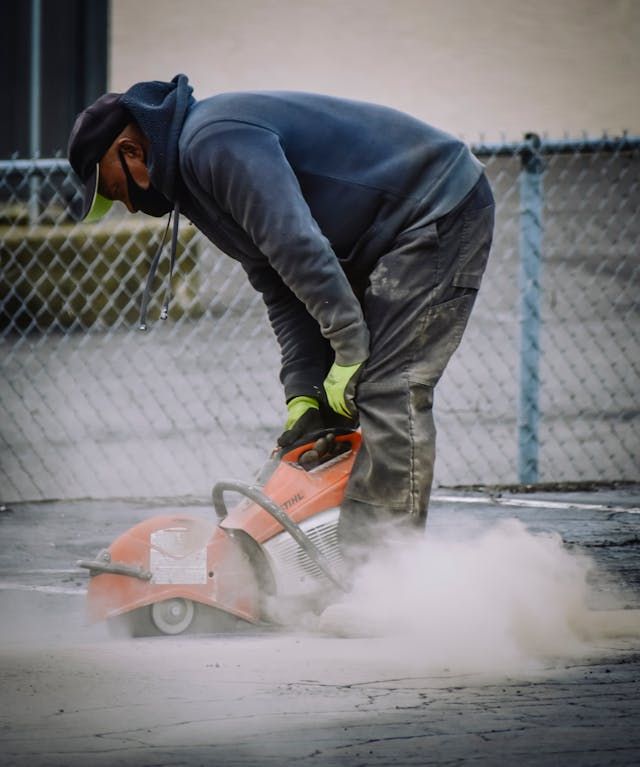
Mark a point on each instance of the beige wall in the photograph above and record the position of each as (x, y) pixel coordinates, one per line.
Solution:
(470, 66)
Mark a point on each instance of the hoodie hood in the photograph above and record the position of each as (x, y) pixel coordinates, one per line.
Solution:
(159, 109)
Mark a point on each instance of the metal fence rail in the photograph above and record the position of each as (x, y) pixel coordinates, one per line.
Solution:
(544, 387)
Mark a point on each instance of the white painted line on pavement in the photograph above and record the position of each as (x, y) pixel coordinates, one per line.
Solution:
(532, 503)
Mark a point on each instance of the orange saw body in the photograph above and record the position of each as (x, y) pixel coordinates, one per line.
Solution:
(277, 541)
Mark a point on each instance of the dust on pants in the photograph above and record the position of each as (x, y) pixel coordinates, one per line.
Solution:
(416, 306)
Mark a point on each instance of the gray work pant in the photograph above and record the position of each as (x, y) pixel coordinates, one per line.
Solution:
(416, 306)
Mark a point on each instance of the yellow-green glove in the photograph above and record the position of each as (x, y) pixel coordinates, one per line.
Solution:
(304, 418)
(340, 388)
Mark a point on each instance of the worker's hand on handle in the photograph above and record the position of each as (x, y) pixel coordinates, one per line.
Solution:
(340, 388)
(304, 418)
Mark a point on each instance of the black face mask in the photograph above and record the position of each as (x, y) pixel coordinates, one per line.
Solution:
(149, 201)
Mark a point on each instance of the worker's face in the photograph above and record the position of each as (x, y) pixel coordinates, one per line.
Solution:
(125, 153)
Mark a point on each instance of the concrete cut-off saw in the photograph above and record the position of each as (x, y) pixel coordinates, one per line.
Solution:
(276, 545)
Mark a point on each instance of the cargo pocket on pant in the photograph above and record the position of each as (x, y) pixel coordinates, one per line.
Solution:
(439, 335)
(380, 475)
(477, 235)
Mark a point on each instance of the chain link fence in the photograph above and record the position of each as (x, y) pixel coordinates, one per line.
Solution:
(544, 388)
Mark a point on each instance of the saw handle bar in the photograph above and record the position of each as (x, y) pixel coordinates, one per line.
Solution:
(333, 441)
(256, 495)
(98, 566)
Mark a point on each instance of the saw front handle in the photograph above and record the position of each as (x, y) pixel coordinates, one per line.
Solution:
(319, 447)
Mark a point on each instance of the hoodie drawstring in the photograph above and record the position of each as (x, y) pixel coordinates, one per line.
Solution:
(146, 296)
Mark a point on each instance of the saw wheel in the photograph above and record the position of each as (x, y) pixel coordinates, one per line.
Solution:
(172, 616)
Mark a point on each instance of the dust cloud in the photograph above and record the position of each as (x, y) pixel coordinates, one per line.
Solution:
(466, 599)
(487, 600)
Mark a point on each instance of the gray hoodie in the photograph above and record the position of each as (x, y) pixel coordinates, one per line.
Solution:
(307, 192)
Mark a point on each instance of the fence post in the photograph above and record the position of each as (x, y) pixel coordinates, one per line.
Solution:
(35, 87)
(531, 201)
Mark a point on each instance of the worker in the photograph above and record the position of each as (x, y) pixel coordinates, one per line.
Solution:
(366, 231)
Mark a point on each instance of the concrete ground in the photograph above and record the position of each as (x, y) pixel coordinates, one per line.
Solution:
(510, 636)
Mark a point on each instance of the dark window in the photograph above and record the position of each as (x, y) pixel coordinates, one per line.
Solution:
(73, 69)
